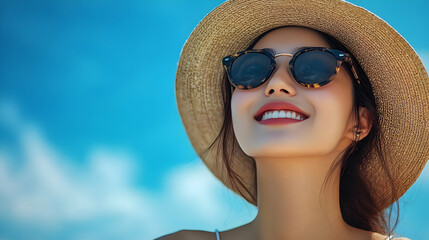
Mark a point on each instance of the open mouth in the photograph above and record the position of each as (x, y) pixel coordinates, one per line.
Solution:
(280, 115)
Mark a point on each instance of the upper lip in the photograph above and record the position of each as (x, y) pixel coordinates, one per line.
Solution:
(278, 106)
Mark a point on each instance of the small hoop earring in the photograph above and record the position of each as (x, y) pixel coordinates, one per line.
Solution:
(358, 135)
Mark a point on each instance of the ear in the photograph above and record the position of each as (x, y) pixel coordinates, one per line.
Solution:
(365, 124)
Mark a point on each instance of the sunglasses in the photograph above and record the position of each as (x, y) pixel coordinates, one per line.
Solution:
(311, 67)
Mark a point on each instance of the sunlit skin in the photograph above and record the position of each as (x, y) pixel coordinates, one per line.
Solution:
(292, 160)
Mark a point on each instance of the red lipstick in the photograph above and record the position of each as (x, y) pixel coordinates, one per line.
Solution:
(279, 106)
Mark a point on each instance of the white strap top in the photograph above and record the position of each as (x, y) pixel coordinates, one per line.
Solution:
(218, 235)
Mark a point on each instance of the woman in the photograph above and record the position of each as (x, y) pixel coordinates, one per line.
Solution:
(322, 123)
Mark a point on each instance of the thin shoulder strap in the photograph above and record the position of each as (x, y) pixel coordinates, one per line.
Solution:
(217, 234)
(389, 237)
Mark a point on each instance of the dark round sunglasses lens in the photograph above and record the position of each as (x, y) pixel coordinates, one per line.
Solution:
(315, 67)
(250, 69)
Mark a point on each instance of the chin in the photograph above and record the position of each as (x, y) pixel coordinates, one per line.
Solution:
(288, 151)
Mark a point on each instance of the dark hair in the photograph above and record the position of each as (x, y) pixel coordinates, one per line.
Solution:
(358, 207)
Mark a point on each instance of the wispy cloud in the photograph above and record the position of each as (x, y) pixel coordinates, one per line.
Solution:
(51, 191)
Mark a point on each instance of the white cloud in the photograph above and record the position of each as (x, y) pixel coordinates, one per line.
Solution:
(195, 187)
(46, 189)
(49, 191)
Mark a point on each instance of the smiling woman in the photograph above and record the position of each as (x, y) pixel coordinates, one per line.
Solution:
(294, 107)
(302, 152)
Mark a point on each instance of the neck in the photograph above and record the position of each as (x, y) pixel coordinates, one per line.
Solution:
(292, 203)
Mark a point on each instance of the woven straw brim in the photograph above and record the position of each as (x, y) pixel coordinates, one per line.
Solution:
(399, 80)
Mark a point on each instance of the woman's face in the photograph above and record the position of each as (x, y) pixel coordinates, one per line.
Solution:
(329, 108)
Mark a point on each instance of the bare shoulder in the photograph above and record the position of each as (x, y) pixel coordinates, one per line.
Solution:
(189, 235)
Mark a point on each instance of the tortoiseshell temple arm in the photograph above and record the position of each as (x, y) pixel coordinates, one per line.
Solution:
(349, 60)
(355, 74)
(354, 71)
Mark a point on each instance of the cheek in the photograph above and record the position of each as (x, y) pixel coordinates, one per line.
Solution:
(332, 112)
(240, 103)
(242, 119)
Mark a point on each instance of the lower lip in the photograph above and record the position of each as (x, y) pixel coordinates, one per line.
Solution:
(278, 121)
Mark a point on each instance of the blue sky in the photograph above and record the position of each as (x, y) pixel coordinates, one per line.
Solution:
(91, 142)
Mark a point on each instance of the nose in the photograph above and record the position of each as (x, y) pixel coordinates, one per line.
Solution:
(281, 81)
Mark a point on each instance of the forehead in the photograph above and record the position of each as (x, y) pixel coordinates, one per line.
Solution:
(288, 39)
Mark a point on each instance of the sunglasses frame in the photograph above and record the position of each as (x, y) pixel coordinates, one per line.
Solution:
(340, 56)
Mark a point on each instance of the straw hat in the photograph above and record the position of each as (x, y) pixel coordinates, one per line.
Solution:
(398, 77)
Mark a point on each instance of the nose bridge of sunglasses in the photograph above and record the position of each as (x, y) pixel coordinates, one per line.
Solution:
(283, 54)
(284, 64)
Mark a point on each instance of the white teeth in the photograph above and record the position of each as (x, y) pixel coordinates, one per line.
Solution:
(282, 114)
(276, 114)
